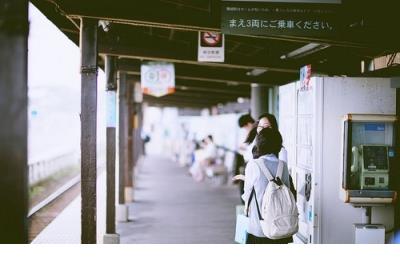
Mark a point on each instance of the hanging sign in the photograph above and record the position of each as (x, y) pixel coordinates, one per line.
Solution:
(111, 108)
(277, 18)
(157, 79)
(137, 93)
(305, 77)
(211, 47)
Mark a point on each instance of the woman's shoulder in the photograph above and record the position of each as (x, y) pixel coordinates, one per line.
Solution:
(251, 166)
(283, 155)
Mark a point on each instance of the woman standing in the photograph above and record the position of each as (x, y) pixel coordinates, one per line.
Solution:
(268, 143)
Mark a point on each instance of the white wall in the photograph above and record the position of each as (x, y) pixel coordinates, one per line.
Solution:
(343, 96)
(311, 126)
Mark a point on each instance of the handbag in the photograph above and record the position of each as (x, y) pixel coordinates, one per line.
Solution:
(242, 226)
(242, 222)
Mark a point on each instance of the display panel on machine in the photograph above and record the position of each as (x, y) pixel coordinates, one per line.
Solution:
(371, 166)
(375, 157)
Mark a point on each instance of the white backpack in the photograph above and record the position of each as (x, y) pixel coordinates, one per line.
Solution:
(278, 215)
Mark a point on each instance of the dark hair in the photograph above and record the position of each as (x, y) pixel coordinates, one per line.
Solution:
(245, 119)
(253, 132)
(271, 118)
(268, 141)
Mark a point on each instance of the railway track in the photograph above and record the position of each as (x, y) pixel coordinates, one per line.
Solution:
(47, 210)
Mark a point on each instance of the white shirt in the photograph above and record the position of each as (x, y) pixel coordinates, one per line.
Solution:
(210, 151)
(254, 178)
(248, 153)
(283, 155)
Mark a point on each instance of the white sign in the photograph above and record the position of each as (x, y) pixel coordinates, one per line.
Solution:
(137, 93)
(157, 79)
(111, 109)
(211, 47)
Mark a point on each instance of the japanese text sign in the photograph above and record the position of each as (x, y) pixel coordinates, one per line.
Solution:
(290, 19)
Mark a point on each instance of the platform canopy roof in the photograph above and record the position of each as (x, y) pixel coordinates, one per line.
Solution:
(167, 31)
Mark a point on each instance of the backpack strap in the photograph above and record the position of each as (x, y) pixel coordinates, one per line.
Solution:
(264, 169)
(253, 194)
(279, 172)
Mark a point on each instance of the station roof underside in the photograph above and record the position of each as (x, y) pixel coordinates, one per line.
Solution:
(167, 30)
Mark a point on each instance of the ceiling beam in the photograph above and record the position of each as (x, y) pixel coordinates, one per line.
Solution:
(207, 96)
(162, 14)
(199, 73)
(204, 100)
(206, 87)
(135, 44)
(209, 91)
(176, 102)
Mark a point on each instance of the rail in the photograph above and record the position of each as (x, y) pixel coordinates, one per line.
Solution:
(40, 169)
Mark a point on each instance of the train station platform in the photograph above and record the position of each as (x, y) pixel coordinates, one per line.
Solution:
(169, 207)
(66, 228)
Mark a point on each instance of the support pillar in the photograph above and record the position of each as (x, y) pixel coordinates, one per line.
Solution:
(397, 170)
(122, 211)
(111, 237)
(131, 112)
(14, 120)
(259, 100)
(88, 45)
(137, 138)
(140, 129)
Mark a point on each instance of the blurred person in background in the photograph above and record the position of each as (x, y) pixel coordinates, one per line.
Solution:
(204, 157)
(244, 151)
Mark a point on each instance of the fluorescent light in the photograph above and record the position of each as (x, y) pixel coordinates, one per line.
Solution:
(232, 83)
(305, 50)
(256, 72)
(240, 100)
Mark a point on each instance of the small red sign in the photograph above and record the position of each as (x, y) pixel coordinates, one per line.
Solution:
(211, 39)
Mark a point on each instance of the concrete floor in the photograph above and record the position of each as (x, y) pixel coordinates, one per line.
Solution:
(170, 207)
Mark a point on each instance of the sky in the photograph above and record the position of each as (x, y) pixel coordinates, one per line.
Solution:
(54, 91)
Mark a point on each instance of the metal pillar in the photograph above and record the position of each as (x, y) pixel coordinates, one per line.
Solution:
(13, 116)
(122, 213)
(111, 237)
(88, 45)
(397, 170)
(130, 114)
(259, 100)
(139, 129)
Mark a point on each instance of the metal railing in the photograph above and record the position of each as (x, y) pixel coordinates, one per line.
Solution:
(40, 169)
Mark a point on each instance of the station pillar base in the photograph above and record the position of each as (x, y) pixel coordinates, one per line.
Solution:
(122, 213)
(129, 194)
(111, 239)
